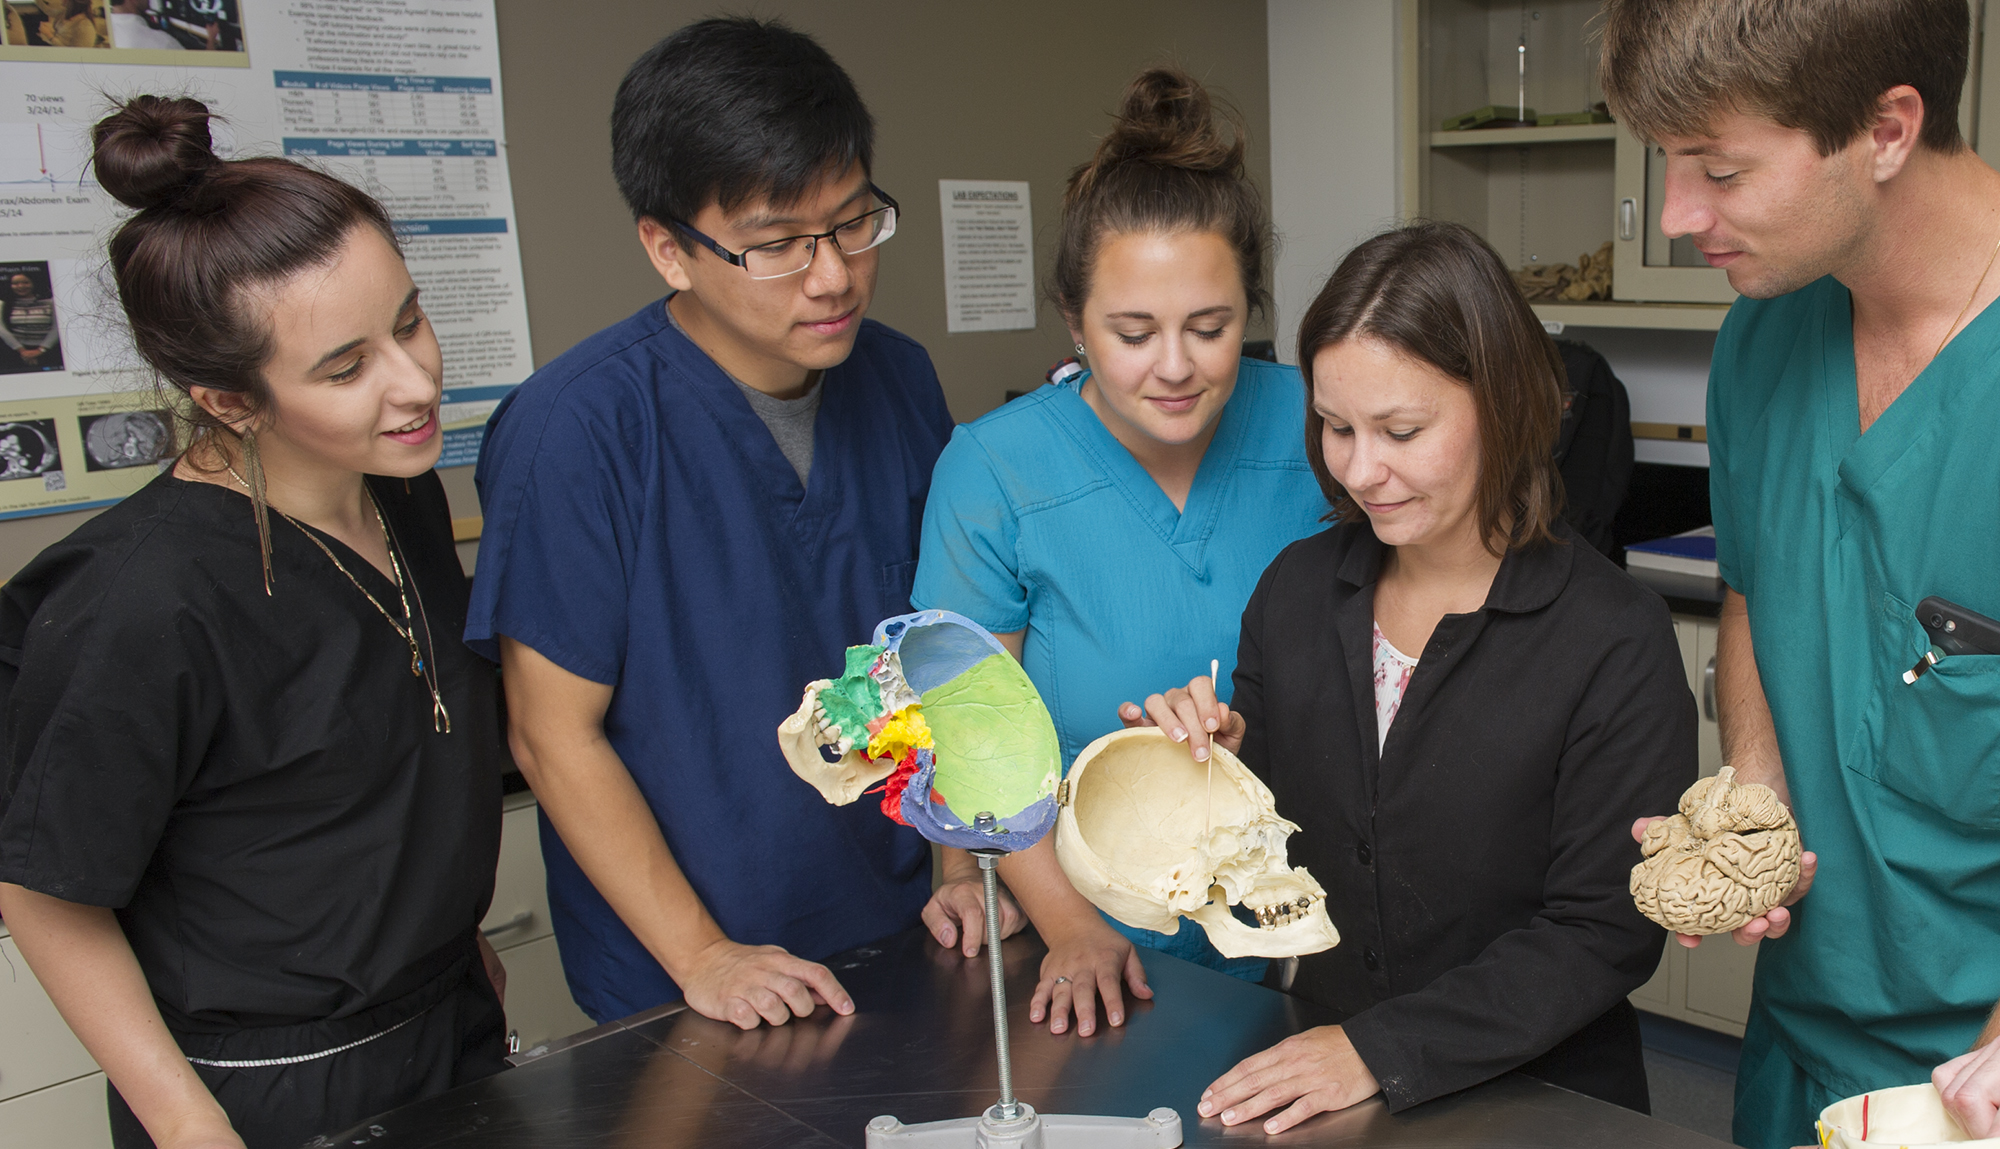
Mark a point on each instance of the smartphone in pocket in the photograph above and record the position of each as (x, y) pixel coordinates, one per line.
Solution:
(1953, 629)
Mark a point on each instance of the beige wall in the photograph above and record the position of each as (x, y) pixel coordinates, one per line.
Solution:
(960, 90)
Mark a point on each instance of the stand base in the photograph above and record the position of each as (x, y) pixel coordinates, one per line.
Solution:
(1160, 1129)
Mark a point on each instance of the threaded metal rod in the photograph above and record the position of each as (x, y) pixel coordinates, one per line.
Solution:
(1009, 1109)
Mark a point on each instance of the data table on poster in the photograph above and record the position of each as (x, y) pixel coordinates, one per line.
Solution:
(344, 102)
(403, 169)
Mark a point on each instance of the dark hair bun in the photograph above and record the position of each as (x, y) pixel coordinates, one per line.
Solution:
(152, 150)
(1168, 119)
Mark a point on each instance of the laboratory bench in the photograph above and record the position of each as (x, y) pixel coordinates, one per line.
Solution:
(920, 1047)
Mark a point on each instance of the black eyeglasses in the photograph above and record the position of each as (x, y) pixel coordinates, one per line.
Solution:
(794, 253)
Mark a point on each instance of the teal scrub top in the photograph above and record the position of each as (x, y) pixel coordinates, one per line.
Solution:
(1039, 519)
(1893, 962)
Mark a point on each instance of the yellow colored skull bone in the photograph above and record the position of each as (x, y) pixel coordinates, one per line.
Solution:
(1730, 855)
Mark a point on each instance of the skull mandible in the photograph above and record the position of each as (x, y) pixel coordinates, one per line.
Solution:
(1148, 834)
(1730, 855)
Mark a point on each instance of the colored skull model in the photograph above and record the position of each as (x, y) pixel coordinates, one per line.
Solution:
(1912, 1116)
(1731, 854)
(940, 715)
(1148, 834)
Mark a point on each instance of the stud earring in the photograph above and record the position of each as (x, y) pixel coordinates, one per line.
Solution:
(1080, 350)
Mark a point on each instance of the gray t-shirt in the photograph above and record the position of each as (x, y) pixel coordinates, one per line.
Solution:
(789, 420)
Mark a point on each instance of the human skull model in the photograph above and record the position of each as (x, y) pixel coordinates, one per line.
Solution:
(940, 714)
(1912, 1116)
(1148, 834)
(1731, 854)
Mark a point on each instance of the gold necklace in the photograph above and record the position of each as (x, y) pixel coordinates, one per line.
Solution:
(1948, 332)
(406, 630)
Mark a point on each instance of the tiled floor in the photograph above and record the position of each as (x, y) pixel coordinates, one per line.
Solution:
(1692, 1075)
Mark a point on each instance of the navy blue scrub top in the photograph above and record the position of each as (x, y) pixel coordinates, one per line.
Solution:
(643, 530)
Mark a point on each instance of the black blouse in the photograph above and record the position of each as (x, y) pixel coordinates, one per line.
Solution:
(1478, 870)
(252, 781)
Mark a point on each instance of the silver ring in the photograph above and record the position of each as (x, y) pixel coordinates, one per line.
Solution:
(1061, 980)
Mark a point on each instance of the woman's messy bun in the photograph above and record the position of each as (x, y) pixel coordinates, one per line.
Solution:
(151, 151)
(208, 231)
(1172, 162)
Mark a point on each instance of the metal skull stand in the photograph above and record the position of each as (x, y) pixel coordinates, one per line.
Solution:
(1011, 1123)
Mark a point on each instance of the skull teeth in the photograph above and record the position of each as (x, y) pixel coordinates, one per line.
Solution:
(1284, 913)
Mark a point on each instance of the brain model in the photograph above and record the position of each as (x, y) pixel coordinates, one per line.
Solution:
(1731, 854)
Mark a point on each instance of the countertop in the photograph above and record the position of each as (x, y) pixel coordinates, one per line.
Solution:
(920, 1047)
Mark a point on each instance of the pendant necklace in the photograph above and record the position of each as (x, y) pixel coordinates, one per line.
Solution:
(407, 629)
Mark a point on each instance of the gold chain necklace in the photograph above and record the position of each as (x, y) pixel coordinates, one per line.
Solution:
(406, 630)
(1949, 331)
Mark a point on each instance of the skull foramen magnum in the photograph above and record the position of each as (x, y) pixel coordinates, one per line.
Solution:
(1148, 834)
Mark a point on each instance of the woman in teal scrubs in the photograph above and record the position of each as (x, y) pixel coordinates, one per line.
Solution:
(1110, 528)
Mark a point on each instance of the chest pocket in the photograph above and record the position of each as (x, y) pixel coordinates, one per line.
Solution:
(896, 581)
(1936, 741)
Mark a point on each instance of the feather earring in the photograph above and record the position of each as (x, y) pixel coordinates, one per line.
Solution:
(254, 479)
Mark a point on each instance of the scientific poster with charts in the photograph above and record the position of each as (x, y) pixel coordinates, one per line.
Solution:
(400, 97)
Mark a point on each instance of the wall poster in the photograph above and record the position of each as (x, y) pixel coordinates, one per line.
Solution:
(399, 97)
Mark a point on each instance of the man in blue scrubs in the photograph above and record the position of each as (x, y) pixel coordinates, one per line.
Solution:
(689, 516)
(1813, 150)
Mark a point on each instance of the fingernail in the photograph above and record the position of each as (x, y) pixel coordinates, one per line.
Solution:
(1204, 1109)
(1211, 724)
(1201, 753)
(1228, 1115)
(1205, 1095)
(1084, 1030)
(1117, 1019)
(1180, 735)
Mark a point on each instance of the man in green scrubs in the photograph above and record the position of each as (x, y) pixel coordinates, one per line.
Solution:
(1813, 151)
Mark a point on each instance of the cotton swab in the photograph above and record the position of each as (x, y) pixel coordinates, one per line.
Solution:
(1208, 815)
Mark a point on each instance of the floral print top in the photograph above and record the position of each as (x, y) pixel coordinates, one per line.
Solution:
(1392, 674)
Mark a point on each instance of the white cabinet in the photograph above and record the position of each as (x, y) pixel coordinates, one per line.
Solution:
(52, 1095)
(1707, 986)
(539, 1008)
(66, 1116)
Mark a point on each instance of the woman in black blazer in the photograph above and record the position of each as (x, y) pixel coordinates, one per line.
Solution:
(1467, 805)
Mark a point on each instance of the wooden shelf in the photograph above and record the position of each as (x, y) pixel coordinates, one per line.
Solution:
(1500, 137)
(1654, 316)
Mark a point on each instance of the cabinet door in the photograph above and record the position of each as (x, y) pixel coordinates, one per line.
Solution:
(1708, 735)
(520, 910)
(1651, 266)
(539, 1008)
(66, 1116)
(37, 1049)
(1718, 984)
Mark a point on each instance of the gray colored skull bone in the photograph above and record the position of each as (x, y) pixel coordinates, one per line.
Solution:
(1730, 855)
(1148, 834)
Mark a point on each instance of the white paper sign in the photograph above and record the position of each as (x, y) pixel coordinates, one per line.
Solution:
(989, 255)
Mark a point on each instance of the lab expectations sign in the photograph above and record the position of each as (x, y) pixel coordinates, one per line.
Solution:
(989, 255)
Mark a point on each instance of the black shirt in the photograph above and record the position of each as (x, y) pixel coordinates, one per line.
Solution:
(1478, 871)
(252, 781)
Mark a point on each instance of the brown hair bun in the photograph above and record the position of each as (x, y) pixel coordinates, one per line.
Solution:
(152, 150)
(1173, 161)
(1167, 118)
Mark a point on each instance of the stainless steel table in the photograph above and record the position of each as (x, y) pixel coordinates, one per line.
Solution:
(920, 1046)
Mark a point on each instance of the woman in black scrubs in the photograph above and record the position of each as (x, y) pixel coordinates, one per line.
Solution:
(252, 806)
(1467, 805)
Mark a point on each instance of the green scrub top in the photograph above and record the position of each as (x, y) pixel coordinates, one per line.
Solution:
(1893, 962)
